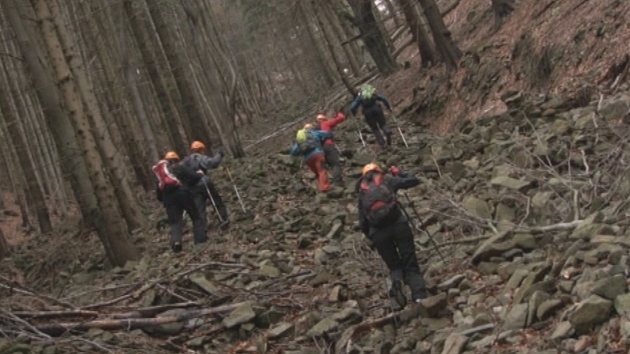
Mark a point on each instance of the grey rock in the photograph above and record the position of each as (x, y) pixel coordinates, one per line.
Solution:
(547, 308)
(240, 315)
(563, 330)
(280, 330)
(455, 344)
(452, 282)
(610, 287)
(510, 183)
(590, 312)
(517, 317)
(622, 304)
(322, 327)
(477, 207)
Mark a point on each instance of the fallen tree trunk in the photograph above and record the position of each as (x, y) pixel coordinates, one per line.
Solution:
(57, 329)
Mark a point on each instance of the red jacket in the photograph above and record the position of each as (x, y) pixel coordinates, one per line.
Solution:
(330, 124)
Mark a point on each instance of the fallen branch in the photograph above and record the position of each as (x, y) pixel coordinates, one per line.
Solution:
(58, 329)
(344, 344)
(48, 314)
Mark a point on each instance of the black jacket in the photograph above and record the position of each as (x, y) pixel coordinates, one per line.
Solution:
(402, 181)
(184, 174)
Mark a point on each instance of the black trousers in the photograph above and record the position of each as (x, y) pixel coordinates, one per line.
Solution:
(375, 119)
(395, 245)
(175, 203)
(201, 197)
(332, 159)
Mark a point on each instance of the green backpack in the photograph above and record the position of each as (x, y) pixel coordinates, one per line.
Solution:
(306, 141)
(368, 96)
(367, 91)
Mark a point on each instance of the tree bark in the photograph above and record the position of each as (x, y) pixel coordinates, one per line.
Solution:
(168, 111)
(441, 35)
(420, 36)
(501, 8)
(185, 97)
(375, 44)
(99, 130)
(56, 118)
(4, 246)
(333, 19)
(35, 196)
(116, 238)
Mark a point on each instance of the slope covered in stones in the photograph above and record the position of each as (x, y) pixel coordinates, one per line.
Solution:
(529, 209)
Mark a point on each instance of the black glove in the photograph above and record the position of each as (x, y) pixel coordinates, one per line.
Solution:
(221, 153)
(403, 174)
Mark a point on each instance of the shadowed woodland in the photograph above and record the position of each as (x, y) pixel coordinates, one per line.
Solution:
(514, 117)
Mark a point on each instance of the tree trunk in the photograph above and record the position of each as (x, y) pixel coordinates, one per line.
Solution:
(187, 99)
(365, 21)
(327, 71)
(35, 196)
(501, 8)
(333, 53)
(441, 35)
(56, 118)
(163, 100)
(333, 19)
(116, 237)
(99, 132)
(418, 33)
(4, 246)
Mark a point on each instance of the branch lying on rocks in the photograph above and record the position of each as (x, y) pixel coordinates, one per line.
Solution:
(57, 329)
(344, 344)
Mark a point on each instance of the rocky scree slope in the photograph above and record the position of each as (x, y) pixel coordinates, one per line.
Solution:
(529, 209)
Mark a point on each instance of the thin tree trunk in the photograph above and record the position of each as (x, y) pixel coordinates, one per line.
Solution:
(163, 99)
(339, 34)
(327, 71)
(110, 155)
(187, 99)
(4, 246)
(116, 237)
(441, 35)
(35, 198)
(56, 118)
(418, 33)
(365, 21)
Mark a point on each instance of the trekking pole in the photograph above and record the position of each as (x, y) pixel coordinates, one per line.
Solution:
(238, 195)
(435, 244)
(360, 134)
(399, 130)
(212, 200)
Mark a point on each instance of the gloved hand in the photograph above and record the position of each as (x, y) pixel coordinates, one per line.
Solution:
(394, 170)
(221, 153)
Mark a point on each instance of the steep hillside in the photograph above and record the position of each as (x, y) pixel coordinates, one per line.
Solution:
(521, 221)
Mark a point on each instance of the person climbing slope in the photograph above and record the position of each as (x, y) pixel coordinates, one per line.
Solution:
(205, 189)
(330, 150)
(308, 143)
(382, 220)
(368, 100)
(174, 181)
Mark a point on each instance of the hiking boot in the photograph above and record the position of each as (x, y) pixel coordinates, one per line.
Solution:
(397, 293)
(177, 247)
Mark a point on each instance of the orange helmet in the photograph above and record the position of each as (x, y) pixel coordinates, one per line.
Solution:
(197, 145)
(370, 167)
(320, 118)
(171, 155)
(308, 126)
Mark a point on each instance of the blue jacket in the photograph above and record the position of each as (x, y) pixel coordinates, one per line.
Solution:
(320, 135)
(359, 101)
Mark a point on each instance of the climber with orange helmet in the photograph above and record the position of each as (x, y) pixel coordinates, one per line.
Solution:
(328, 145)
(205, 189)
(384, 223)
(174, 181)
(308, 143)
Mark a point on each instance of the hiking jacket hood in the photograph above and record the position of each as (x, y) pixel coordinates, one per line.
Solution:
(319, 135)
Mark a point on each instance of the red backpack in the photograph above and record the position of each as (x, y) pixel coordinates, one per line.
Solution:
(378, 201)
(166, 179)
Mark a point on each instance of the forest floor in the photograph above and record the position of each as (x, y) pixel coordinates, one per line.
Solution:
(546, 48)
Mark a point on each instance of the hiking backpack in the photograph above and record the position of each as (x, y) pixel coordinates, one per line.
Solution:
(306, 141)
(378, 201)
(166, 179)
(368, 95)
(192, 162)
